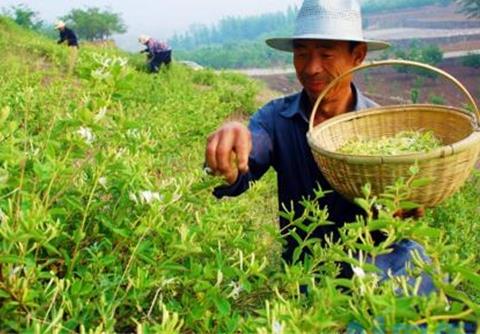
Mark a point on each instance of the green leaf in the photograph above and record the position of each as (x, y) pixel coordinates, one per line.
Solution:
(467, 274)
(14, 259)
(421, 182)
(427, 231)
(378, 224)
(223, 306)
(363, 203)
(4, 294)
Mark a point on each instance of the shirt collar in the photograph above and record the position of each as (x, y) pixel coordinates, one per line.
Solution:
(299, 104)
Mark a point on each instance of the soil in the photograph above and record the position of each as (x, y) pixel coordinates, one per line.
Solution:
(387, 86)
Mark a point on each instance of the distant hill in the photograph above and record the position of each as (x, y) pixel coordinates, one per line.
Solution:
(239, 42)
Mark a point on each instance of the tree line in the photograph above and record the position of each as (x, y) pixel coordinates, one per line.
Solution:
(235, 29)
(239, 42)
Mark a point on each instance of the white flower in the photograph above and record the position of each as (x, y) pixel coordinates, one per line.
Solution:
(277, 328)
(236, 289)
(168, 281)
(103, 181)
(148, 196)
(133, 133)
(122, 61)
(86, 134)
(358, 272)
(3, 217)
(99, 74)
(120, 152)
(133, 197)
(101, 114)
(219, 278)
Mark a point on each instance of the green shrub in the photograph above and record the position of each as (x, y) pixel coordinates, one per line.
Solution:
(471, 60)
(107, 222)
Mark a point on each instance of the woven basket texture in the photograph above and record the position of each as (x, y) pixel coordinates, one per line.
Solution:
(448, 167)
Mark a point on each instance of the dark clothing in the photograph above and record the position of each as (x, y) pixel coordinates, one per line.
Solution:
(154, 47)
(158, 53)
(159, 59)
(279, 140)
(68, 35)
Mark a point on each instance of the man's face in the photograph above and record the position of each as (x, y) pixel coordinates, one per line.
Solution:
(318, 62)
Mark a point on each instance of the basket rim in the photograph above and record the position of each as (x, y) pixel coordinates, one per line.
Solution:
(447, 150)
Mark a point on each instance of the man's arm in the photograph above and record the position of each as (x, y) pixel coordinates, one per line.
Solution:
(62, 38)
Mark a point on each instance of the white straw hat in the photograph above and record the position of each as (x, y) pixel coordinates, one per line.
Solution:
(143, 39)
(327, 20)
(59, 24)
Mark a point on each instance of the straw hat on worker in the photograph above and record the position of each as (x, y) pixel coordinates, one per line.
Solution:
(59, 24)
(143, 39)
(339, 20)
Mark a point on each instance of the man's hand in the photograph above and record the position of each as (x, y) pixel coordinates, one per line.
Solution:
(228, 149)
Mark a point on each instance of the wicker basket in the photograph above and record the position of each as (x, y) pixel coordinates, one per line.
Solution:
(448, 166)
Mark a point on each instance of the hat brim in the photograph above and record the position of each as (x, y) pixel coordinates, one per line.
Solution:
(286, 43)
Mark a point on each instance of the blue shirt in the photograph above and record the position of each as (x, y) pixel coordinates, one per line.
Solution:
(279, 141)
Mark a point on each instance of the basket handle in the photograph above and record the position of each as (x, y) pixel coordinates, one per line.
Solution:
(394, 62)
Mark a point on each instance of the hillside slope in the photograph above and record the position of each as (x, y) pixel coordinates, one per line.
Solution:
(107, 222)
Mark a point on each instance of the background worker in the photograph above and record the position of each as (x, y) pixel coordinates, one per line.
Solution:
(158, 53)
(67, 34)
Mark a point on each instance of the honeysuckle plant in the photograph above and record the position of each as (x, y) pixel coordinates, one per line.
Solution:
(107, 222)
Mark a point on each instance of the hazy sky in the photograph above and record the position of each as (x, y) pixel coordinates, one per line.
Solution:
(160, 18)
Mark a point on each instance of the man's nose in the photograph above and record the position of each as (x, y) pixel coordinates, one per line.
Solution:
(313, 66)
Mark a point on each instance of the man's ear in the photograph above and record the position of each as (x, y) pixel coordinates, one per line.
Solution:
(359, 53)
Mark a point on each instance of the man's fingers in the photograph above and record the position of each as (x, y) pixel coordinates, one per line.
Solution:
(211, 152)
(224, 152)
(243, 147)
(228, 150)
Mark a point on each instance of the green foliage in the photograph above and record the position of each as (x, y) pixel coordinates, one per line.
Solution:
(471, 60)
(24, 16)
(435, 99)
(417, 51)
(236, 55)
(27, 18)
(107, 223)
(231, 30)
(236, 42)
(471, 8)
(94, 23)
